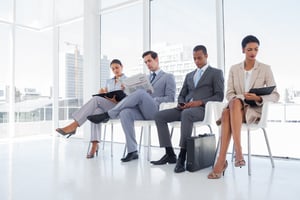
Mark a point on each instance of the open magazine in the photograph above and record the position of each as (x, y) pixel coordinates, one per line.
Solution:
(138, 81)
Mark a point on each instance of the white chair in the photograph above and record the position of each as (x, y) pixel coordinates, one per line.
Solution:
(262, 124)
(207, 121)
(110, 123)
(147, 124)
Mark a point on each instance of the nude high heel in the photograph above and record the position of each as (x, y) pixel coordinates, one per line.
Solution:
(214, 175)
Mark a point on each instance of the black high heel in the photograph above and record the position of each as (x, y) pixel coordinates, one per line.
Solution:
(92, 155)
(62, 132)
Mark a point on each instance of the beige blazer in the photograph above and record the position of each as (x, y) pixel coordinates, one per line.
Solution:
(261, 76)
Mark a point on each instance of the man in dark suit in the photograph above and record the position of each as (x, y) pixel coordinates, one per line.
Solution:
(140, 105)
(200, 86)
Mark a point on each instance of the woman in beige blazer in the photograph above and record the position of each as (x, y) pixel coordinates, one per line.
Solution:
(242, 77)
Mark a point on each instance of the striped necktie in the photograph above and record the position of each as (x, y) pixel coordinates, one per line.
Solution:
(152, 77)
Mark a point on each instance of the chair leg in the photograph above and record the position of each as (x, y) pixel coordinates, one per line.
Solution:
(232, 154)
(124, 150)
(210, 129)
(104, 136)
(217, 150)
(149, 142)
(172, 130)
(249, 153)
(194, 132)
(112, 139)
(88, 150)
(268, 146)
(141, 139)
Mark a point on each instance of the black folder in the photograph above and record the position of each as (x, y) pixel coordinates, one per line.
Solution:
(259, 92)
(118, 93)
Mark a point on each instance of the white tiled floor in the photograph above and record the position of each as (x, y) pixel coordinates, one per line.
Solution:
(53, 168)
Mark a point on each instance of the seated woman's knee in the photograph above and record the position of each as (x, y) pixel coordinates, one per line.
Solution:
(235, 103)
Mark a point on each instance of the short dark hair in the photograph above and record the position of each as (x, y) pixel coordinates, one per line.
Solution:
(152, 53)
(249, 39)
(116, 61)
(200, 48)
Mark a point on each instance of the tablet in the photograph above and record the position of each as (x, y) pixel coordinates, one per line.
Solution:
(259, 91)
(262, 90)
(119, 94)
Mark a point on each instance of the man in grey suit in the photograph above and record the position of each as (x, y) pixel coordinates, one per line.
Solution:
(141, 105)
(200, 86)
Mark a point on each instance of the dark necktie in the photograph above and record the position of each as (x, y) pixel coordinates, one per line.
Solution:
(153, 77)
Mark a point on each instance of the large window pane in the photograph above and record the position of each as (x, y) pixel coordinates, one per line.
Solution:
(108, 3)
(178, 26)
(6, 7)
(68, 9)
(34, 13)
(33, 80)
(5, 77)
(121, 38)
(70, 71)
(278, 30)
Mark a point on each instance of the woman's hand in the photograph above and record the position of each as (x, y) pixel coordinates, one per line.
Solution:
(252, 96)
(102, 90)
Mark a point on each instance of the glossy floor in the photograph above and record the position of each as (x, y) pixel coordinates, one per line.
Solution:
(56, 168)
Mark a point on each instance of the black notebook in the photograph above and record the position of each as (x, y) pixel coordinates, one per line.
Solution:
(119, 94)
(259, 92)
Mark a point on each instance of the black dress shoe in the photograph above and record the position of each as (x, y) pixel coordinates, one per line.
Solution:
(104, 117)
(165, 159)
(130, 156)
(179, 167)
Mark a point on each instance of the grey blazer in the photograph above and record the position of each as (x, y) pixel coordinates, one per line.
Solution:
(164, 88)
(261, 76)
(209, 88)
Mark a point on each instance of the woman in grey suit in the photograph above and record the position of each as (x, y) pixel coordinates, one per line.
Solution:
(242, 77)
(96, 105)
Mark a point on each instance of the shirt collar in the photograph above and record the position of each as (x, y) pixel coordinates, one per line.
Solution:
(156, 72)
(203, 68)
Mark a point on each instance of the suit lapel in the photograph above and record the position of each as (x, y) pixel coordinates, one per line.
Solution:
(204, 76)
(158, 76)
(241, 77)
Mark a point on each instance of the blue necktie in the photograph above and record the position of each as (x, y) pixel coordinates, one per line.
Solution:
(153, 77)
(197, 76)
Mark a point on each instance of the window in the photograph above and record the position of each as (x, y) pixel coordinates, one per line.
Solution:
(278, 30)
(175, 34)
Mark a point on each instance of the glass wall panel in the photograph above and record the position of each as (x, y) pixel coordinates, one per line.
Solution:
(6, 10)
(121, 38)
(68, 9)
(5, 78)
(33, 80)
(108, 3)
(278, 30)
(176, 27)
(70, 70)
(34, 13)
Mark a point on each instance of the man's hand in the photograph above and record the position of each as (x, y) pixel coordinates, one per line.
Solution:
(191, 104)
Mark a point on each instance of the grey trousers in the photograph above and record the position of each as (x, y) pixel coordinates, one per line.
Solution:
(187, 118)
(137, 106)
(95, 105)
